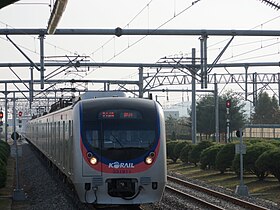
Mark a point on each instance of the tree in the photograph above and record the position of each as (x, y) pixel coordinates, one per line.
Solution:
(171, 127)
(177, 128)
(237, 116)
(205, 115)
(266, 110)
(205, 109)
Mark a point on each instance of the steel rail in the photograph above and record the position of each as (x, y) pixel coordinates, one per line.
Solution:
(223, 196)
(195, 199)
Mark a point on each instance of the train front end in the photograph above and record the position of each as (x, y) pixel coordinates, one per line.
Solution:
(120, 157)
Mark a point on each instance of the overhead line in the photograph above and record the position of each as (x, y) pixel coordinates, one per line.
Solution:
(136, 65)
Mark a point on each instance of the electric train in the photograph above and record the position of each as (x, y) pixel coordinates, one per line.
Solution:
(112, 149)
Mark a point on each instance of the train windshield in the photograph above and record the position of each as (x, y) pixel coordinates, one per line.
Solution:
(121, 134)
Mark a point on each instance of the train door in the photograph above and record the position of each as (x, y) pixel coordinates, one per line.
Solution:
(48, 138)
(54, 142)
(63, 146)
(70, 147)
(102, 144)
(58, 151)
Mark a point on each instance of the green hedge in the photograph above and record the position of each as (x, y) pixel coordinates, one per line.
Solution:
(208, 157)
(252, 154)
(270, 161)
(194, 154)
(225, 157)
(174, 149)
(184, 155)
(4, 154)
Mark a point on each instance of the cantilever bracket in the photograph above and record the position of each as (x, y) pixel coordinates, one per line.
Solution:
(33, 64)
(42, 66)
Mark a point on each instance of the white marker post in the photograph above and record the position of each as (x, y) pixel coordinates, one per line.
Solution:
(241, 149)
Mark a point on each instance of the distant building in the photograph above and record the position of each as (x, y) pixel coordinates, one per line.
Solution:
(179, 110)
(169, 113)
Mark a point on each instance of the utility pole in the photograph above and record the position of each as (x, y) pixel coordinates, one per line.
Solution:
(193, 99)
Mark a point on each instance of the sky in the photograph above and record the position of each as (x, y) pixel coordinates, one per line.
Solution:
(140, 14)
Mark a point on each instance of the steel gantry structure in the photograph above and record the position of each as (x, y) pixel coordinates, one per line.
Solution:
(192, 71)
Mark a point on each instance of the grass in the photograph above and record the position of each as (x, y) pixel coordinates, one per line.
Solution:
(269, 189)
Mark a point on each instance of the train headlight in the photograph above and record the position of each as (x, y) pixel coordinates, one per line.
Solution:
(150, 158)
(93, 160)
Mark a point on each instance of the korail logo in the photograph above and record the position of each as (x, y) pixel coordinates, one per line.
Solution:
(121, 165)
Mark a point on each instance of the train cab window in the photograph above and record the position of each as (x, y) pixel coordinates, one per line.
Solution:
(114, 129)
(92, 138)
(111, 137)
(128, 138)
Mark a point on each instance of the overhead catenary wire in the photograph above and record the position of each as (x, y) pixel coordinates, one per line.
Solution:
(210, 47)
(139, 40)
(251, 51)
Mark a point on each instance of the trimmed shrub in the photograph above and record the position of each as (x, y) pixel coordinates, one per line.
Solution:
(225, 157)
(4, 154)
(174, 149)
(208, 156)
(184, 156)
(254, 141)
(275, 142)
(3, 175)
(173, 136)
(194, 154)
(5, 144)
(270, 161)
(170, 150)
(178, 148)
(4, 151)
(252, 154)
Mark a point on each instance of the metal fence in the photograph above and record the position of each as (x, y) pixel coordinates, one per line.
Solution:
(262, 131)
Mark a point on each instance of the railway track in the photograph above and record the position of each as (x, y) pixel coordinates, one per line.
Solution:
(208, 204)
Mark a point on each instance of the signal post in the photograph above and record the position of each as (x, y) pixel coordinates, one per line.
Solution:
(18, 193)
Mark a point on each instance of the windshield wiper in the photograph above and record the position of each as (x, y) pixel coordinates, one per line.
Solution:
(117, 140)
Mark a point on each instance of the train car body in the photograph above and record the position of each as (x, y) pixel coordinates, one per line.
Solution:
(112, 149)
